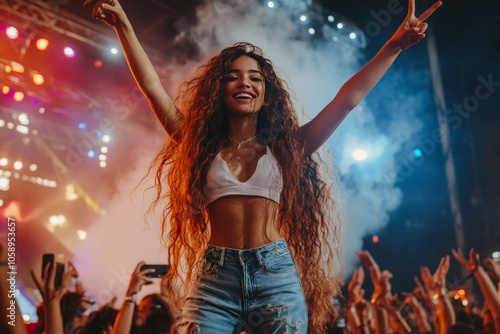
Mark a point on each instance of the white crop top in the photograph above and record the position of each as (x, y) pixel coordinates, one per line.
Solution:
(266, 181)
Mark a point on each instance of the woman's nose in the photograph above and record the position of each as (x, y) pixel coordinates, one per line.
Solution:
(244, 82)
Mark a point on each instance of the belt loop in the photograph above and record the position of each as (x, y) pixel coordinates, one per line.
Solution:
(258, 256)
(222, 256)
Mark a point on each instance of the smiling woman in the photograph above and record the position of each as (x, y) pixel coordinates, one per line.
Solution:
(245, 89)
(249, 217)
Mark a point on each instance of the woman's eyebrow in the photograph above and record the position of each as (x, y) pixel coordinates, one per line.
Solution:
(235, 70)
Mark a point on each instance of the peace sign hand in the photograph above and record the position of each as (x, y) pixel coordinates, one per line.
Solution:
(413, 28)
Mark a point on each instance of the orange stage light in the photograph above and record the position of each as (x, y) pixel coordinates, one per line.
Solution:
(42, 44)
(18, 96)
(38, 79)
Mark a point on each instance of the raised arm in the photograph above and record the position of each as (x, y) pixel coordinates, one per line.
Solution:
(319, 129)
(485, 284)
(124, 318)
(145, 75)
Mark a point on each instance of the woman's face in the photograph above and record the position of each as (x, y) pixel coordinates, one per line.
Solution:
(245, 86)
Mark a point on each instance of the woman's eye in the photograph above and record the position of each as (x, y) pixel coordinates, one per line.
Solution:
(231, 78)
(256, 79)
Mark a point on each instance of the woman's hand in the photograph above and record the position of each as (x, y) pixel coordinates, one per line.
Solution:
(108, 11)
(138, 279)
(413, 28)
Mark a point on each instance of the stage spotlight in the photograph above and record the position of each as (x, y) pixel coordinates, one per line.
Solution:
(70, 192)
(69, 52)
(42, 44)
(12, 33)
(91, 153)
(82, 235)
(18, 165)
(38, 79)
(270, 4)
(4, 162)
(311, 31)
(18, 96)
(331, 19)
(57, 220)
(33, 167)
(23, 129)
(114, 51)
(23, 119)
(106, 138)
(352, 35)
(303, 18)
(104, 149)
(16, 67)
(496, 255)
(417, 153)
(4, 183)
(98, 63)
(340, 25)
(103, 164)
(82, 126)
(359, 154)
(5, 90)
(375, 239)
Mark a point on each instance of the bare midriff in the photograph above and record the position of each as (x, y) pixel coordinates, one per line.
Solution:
(243, 222)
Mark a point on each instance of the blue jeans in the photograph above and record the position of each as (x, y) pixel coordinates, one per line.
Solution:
(254, 290)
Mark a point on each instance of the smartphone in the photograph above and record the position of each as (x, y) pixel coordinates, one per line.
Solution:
(58, 261)
(46, 259)
(160, 270)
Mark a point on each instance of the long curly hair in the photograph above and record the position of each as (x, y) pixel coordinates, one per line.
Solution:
(308, 219)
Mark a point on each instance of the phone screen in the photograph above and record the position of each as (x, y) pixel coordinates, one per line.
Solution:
(46, 259)
(160, 270)
(58, 261)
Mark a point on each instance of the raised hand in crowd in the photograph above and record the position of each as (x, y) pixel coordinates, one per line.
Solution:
(485, 283)
(435, 285)
(493, 268)
(420, 314)
(125, 317)
(52, 295)
(359, 311)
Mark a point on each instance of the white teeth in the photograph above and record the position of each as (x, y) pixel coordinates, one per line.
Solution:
(243, 95)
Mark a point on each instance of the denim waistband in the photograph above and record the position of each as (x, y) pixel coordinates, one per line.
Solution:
(259, 254)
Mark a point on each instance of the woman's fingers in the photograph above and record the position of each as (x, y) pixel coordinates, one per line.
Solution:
(423, 27)
(411, 8)
(88, 2)
(425, 15)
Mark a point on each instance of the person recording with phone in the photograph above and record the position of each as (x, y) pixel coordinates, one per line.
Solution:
(52, 293)
(153, 314)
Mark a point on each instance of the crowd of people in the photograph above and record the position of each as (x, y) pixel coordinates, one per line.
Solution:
(429, 308)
